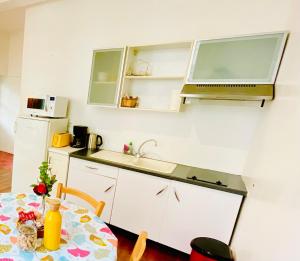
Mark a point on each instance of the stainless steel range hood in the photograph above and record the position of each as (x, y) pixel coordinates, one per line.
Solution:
(236, 68)
(246, 92)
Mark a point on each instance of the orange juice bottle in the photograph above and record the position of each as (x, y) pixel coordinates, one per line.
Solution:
(52, 226)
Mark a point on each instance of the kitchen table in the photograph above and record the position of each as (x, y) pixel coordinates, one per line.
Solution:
(84, 235)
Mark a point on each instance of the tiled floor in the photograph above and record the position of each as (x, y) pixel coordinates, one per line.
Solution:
(6, 161)
(154, 251)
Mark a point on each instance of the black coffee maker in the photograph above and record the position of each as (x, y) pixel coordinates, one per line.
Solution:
(80, 137)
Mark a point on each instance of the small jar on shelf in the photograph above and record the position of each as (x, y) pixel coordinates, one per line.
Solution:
(129, 101)
(139, 68)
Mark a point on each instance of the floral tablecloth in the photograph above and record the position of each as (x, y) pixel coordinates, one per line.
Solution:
(84, 235)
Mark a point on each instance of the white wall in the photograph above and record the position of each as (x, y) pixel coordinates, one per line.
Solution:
(262, 144)
(269, 226)
(60, 37)
(4, 45)
(10, 90)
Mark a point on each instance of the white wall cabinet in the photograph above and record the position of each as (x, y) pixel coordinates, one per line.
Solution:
(252, 59)
(153, 73)
(106, 75)
(96, 179)
(140, 202)
(194, 211)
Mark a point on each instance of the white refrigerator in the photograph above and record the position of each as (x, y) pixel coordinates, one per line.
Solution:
(32, 139)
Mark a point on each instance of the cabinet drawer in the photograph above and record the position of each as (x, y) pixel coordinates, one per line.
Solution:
(58, 159)
(94, 168)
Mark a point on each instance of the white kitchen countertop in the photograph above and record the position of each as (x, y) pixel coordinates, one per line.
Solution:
(63, 150)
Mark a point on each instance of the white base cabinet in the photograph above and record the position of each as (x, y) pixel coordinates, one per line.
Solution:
(59, 164)
(96, 179)
(58, 159)
(193, 211)
(173, 213)
(140, 203)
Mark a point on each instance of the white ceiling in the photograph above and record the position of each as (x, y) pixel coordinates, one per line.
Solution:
(6, 5)
(12, 13)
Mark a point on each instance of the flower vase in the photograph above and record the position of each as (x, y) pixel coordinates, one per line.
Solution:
(40, 222)
(43, 205)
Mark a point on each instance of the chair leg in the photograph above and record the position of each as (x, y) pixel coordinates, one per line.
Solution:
(233, 254)
(99, 208)
(59, 190)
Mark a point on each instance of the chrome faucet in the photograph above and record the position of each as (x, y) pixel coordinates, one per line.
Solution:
(139, 154)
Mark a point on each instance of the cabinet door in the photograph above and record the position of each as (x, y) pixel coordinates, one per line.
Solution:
(195, 211)
(107, 69)
(140, 203)
(59, 166)
(89, 179)
(246, 59)
(30, 150)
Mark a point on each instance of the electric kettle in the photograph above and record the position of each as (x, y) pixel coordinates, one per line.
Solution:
(94, 141)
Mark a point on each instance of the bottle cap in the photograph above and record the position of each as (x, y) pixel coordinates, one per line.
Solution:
(54, 204)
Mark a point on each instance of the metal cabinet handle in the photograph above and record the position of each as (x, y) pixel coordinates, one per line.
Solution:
(161, 191)
(89, 167)
(176, 195)
(49, 160)
(109, 188)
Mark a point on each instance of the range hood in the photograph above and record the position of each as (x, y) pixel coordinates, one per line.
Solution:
(237, 68)
(246, 92)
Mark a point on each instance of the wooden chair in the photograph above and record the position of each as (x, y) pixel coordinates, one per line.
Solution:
(139, 247)
(98, 205)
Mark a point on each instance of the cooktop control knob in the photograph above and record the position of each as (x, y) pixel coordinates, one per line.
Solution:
(219, 182)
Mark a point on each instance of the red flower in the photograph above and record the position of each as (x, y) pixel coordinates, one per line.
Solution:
(40, 189)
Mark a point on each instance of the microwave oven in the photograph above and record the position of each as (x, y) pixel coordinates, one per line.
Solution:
(49, 106)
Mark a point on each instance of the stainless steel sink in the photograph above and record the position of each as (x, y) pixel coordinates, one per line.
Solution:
(141, 163)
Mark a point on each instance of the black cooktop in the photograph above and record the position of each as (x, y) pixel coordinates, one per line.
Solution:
(208, 176)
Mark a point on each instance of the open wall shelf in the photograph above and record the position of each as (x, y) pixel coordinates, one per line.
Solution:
(155, 74)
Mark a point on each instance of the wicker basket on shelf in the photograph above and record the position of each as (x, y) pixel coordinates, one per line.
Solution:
(130, 102)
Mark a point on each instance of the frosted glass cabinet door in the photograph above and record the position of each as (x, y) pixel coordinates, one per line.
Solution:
(106, 74)
(247, 59)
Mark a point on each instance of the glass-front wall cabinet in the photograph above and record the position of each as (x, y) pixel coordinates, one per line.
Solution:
(247, 59)
(106, 77)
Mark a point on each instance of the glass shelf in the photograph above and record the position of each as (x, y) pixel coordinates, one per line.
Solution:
(153, 77)
(147, 109)
(100, 82)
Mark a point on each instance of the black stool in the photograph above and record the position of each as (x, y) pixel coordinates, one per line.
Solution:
(209, 249)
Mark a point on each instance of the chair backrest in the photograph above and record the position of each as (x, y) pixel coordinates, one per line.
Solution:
(139, 247)
(98, 205)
